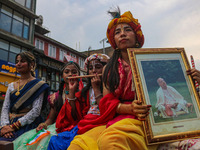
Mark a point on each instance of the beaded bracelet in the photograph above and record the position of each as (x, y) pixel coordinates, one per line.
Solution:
(71, 99)
(98, 96)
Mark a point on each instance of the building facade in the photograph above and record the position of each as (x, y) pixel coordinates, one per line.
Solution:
(107, 50)
(18, 32)
(51, 56)
(17, 18)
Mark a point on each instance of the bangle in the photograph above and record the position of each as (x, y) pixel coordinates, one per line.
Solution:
(118, 107)
(98, 96)
(16, 125)
(71, 99)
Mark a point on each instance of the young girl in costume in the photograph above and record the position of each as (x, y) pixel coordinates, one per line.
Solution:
(23, 101)
(120, 123)
(86, 103)
(56, 100)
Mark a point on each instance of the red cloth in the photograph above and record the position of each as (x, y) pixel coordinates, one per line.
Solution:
(65, 121)
(81, 86)
(108, 105)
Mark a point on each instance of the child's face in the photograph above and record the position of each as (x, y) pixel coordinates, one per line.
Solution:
(95, 67)
(69, 71)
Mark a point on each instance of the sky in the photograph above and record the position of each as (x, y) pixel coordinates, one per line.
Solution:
(81, 24)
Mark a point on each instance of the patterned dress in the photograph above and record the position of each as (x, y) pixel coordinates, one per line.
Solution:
(20, 142)
(24, 107)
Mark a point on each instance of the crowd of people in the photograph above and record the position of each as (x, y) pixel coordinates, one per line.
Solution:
(105, 114)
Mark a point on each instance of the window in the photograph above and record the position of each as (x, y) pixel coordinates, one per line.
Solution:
(14, 50)
(8, 51)
(14, 22)
(6, 18)
(44, 72)
(4, 44)
(81, 62)
(61, 56)
(26, 3)
(22, 2)
(53, 85)
(57, 76)
(73, 55)
(52, 51)
(39, 44)
(17, 28)
(53, 75)
(26, 28)
(4, 47)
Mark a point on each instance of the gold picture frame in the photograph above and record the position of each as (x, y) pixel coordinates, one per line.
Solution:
(167, 121)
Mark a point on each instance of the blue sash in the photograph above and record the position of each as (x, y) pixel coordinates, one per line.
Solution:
(62, 140)
(27, 95)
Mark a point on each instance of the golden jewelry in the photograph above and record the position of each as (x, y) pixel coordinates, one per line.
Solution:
(118, 107)
(137, 45)
(17, 93)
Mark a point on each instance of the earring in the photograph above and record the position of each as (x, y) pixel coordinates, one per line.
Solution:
(117, 49)
(137, 45)
(32, 69)
(62, 79)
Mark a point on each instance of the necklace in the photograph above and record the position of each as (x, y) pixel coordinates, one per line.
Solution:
(17, 93)
(64, 95)
(67, 92)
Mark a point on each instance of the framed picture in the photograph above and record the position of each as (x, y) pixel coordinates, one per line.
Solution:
(161, 81)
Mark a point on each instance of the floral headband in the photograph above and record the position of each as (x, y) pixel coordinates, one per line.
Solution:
(100, 57)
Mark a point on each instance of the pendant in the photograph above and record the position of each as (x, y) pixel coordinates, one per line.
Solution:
(67, 92)
(17, 93)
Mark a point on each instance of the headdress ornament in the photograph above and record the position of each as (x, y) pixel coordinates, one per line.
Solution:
(95, 56)
(128, 18)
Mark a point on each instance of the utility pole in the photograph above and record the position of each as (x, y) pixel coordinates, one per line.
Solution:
(89, 50)
(102, 41)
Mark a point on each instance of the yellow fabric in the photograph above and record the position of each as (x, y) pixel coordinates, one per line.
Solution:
(126, 134)
(127, 17)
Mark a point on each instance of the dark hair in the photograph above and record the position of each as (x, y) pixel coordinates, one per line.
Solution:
(58, 103)
(88, 85)
(111, 74)
(29, 57)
